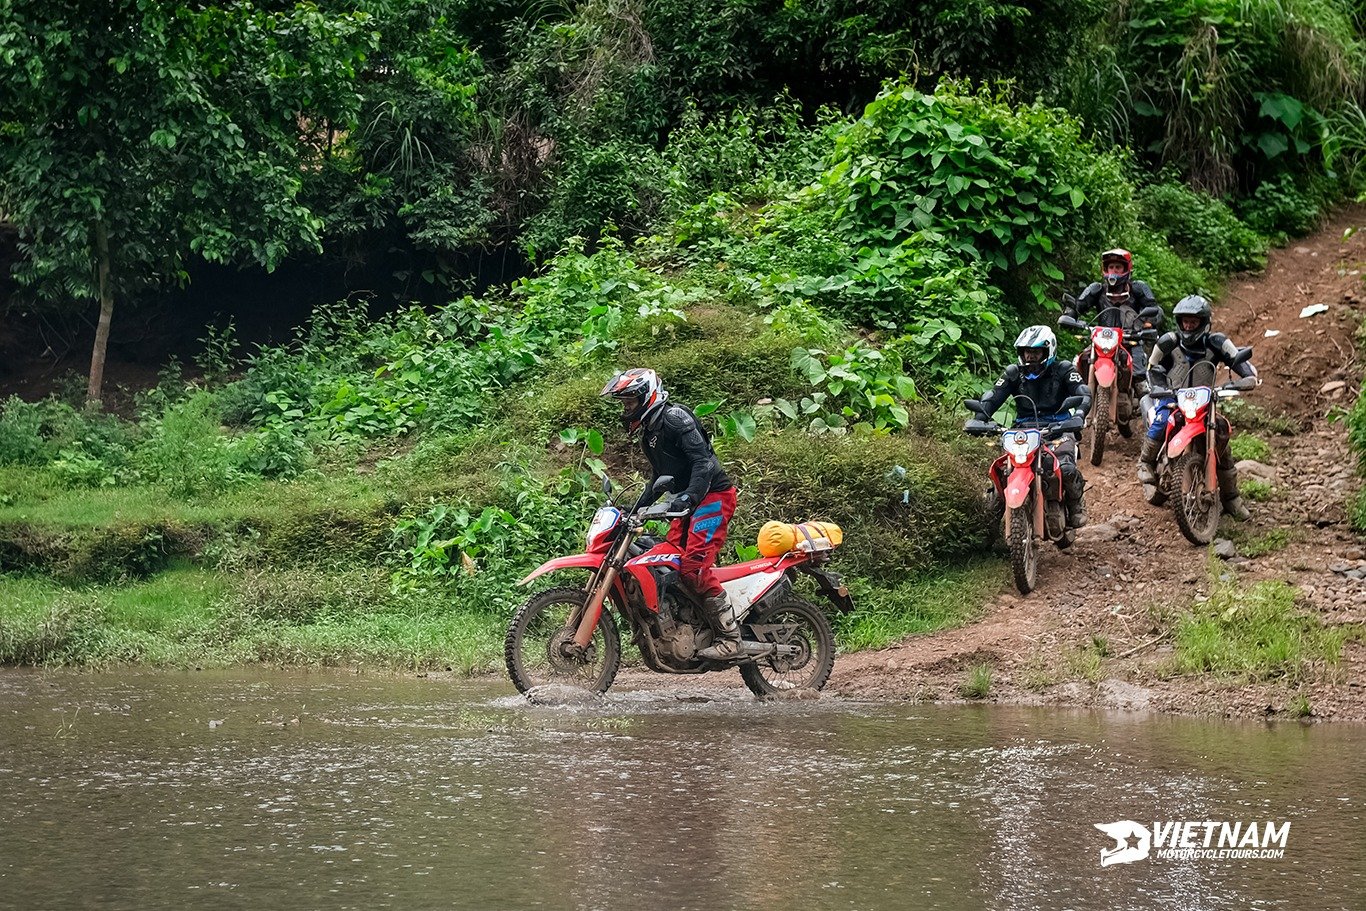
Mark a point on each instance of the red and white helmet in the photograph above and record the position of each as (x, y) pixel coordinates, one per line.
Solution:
(1117, 270)
(639, 391)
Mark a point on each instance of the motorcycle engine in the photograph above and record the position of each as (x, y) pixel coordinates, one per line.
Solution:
(679, 643)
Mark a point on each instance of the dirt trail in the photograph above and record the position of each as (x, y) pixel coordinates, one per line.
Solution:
(1132, 562)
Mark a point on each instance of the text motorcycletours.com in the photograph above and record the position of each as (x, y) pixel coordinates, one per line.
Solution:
(1193, 840)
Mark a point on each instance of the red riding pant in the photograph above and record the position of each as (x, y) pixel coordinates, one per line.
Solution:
(701, 537)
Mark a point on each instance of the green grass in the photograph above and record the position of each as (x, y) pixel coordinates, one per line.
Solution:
(193, 617)
(978, 683)
(1247, 416)
(947, 599)
(1270, 542)
(1255, 633)
(1249, 446)
(1255, 490)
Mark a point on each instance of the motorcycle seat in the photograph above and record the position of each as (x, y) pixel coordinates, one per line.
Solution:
(747, 568)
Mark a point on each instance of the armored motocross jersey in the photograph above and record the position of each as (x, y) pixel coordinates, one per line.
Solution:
(1057, 383)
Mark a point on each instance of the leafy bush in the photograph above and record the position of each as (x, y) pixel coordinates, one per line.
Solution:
(1285, 205)
(1203, 226)
(187, 450)
(1012, 185)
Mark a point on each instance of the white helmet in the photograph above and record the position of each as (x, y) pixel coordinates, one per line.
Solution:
(1037, 348)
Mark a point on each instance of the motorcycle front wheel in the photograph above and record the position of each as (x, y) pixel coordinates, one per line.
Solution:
(1197, 506)
(1024, 555)
(539, 648)
(815, 641)
(1100, 425)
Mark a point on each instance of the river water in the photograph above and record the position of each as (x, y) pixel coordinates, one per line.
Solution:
(269, 791)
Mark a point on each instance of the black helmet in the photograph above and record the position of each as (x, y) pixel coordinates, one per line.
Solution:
(1193, 340)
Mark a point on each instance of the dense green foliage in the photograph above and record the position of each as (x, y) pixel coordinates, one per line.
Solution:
(822, 224)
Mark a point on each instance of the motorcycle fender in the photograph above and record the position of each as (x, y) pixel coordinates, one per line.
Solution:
(1018, 488)
(1184, 437)
(832, 586)
(1105, 371)
(577, 561)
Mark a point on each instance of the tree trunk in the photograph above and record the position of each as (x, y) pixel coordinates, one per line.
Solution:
(106, 315)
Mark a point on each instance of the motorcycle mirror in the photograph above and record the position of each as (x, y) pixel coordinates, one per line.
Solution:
(1070, 322)
(1072, 401)
(1242, 357)
(606, 485)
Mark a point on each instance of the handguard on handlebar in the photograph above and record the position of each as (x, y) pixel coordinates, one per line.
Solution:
(1241, 384)
(658, 511)
(1072, 323)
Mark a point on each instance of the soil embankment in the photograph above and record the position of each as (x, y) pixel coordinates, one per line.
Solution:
(1097, 630)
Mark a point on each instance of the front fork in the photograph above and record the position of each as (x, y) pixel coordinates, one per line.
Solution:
(584, 622)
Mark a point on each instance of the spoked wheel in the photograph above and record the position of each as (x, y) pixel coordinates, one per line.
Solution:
(1197, 506)
(1024, 556)
(810, 667)
(1100, 425)
(540, 648)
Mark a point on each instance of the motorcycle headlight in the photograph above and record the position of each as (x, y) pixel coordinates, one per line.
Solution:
(604, 520)
(1020, 444)
(1190, 401)
(1106, 339)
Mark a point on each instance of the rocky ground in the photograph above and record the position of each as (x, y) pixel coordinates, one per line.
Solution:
(1097, 631)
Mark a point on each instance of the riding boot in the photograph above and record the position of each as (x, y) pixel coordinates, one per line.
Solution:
(1147, 467)
(1228, 493)
(1074, 495)
(727, 642)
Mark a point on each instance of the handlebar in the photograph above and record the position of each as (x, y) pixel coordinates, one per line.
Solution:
(983, 428)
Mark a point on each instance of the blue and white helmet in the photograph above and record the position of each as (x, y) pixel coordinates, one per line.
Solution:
(1037, 348)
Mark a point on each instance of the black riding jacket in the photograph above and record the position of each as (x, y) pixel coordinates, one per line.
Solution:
(1170, 362)
(1060, 381)
(673, 440)
(1093, 300)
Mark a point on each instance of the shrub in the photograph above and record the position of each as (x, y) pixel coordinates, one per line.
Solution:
(1285, 205)
(1203, 226)
(1013, 185)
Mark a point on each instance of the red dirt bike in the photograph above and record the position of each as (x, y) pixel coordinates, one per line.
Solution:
(1028, 498)
(567, 635)
(1109, 373)
(1187, 465)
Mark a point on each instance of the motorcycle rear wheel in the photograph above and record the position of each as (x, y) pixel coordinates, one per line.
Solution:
(810, 668)
(1024, 555)
(1100, 425)
(538, 649)
(1197, 507)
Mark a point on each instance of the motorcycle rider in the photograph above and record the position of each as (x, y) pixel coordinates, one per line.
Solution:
(675, 444)
(1047, 381)
(1190, 344)
(1118, 288)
